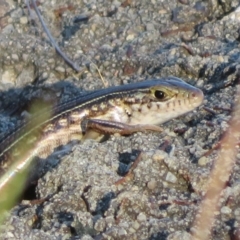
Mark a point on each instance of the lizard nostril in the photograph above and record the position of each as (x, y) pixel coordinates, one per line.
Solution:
(197, 97)
(197, 94)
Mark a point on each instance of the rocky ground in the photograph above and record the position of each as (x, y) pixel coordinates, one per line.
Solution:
(128, 41)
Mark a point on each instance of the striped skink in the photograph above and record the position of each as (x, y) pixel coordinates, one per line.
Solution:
(124, 109)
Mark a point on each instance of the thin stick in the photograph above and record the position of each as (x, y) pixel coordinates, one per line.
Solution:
(219, 176)
(75, 66)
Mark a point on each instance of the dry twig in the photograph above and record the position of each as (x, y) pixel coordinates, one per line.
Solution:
(72, 64)
(219, 176)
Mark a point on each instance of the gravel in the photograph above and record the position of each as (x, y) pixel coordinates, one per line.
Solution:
(82, 194)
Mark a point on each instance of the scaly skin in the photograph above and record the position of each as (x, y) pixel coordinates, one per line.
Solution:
(123, 109)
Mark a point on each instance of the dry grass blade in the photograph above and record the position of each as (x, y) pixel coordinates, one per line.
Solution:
(219, 176)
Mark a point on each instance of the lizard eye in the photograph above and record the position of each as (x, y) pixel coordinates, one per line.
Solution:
(160, 95)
